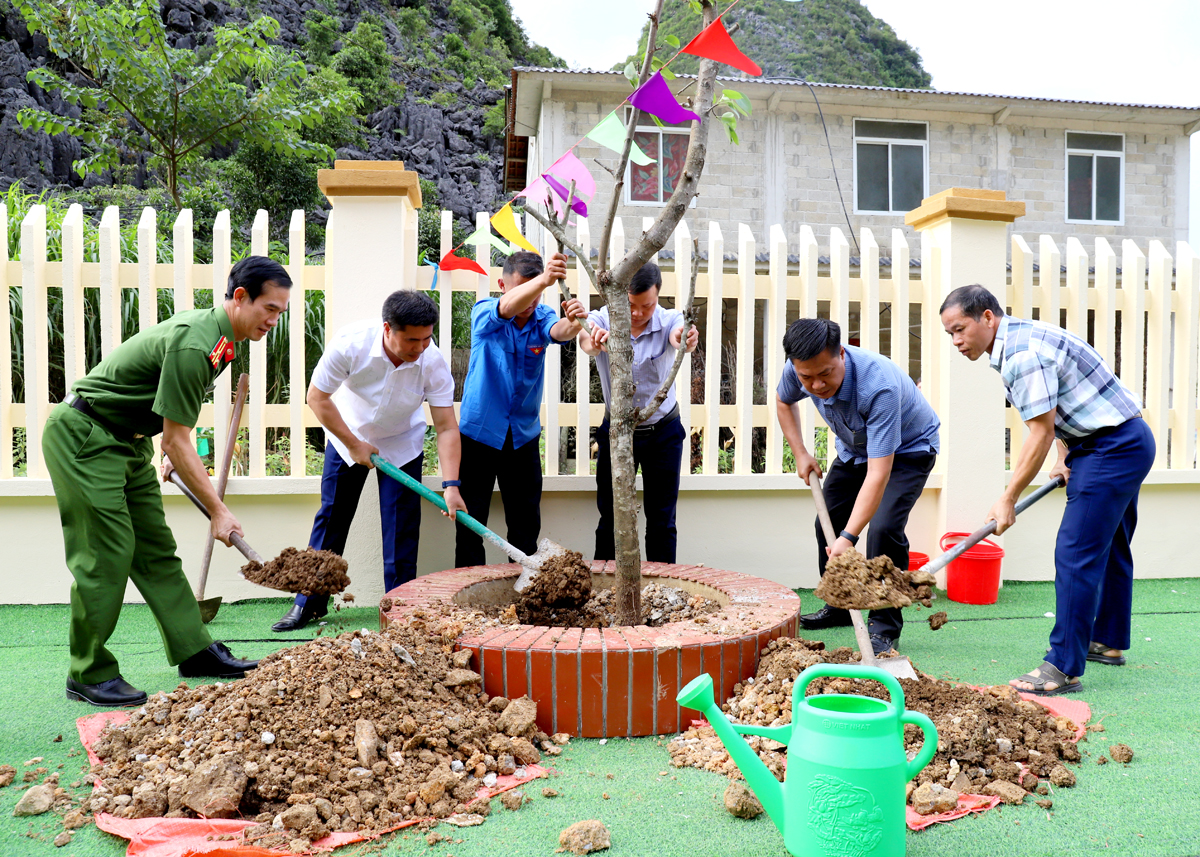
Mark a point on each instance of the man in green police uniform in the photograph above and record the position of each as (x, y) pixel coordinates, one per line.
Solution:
(97, 448)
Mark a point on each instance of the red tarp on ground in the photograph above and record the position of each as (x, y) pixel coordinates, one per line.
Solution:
(183, 837)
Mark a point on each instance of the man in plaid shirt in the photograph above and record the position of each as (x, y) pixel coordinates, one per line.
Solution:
(1062, 388)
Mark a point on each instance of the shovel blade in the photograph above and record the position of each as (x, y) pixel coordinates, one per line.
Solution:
(209, 608)
(535, 562)
(899, 667)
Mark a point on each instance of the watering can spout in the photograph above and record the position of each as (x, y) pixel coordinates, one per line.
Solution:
(698, 695)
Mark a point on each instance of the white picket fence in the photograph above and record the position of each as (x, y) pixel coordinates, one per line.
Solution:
(1166, 293)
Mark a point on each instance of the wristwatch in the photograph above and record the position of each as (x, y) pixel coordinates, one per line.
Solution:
(849, 536)
(451, 483)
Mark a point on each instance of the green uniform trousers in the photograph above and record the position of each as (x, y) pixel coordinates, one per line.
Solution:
(115, 530)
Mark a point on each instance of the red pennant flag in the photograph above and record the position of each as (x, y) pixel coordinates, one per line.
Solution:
(450, 262)
(714, 43)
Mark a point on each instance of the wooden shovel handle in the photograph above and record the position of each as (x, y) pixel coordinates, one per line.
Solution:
(235, 422)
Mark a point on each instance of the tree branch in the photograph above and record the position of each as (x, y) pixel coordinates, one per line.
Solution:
(689, 321)
(560, 235)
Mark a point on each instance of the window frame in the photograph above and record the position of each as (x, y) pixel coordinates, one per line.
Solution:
(627, 191)
(855, 140)
(1106, 153)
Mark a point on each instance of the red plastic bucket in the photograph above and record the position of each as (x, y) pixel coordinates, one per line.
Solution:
(973, 578)
(916, 560)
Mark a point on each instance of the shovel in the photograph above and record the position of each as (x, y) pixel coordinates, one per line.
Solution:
(531, 564)
(238, 542)
(210, 606)
(900, 667)
(990, 527)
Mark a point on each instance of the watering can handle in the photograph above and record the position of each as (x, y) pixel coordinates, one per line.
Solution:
(852, 671)
(928, 748)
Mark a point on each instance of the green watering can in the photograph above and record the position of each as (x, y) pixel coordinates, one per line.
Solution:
(846, 765)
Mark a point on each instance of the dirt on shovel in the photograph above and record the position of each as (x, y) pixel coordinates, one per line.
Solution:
(308, 572)
(853, 582)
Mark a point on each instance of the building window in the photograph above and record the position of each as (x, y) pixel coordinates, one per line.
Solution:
(655, 182)
(1095, 176)
(891, 166)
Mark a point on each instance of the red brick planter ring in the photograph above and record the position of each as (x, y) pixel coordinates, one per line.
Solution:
(611, 682)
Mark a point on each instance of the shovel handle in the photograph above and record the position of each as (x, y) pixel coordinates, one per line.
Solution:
(990, 527)
(861, 635)
(389, 469)
(236, 540)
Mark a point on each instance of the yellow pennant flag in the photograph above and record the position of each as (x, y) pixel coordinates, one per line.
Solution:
(506, 224)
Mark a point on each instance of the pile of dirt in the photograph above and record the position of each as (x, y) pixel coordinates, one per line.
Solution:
(987, 741)
(853, 582)
(354, 733)
(308, 571)
(661, 605)
(560, 589)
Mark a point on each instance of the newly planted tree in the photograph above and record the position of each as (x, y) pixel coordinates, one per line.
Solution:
(136, 95)
(612, 280)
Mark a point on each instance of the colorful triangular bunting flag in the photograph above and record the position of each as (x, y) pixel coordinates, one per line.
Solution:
(569, 169)
(506, 224)
(484, 233)
(654, 96)
(450, 262)
(610, 134)
(714, 43)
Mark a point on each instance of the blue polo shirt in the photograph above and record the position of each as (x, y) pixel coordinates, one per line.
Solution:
(878, 411)
(503, 389)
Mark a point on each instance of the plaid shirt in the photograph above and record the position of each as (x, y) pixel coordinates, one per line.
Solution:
(1046, 368)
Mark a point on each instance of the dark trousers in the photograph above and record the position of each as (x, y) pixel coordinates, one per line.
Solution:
(519, 472)
(1093, 581)
(658, 450)
(399, 514)
(885, 537)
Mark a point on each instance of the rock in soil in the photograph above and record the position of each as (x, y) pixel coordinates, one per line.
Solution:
(584, 837)
(1121, 753)
(982, 737)
(1062, 777)
(854, 582)
(395, 740)
(931, 798)
(62, 839)
(741, 802)
(35, 801)
(7, 774)
(309, 572)
(1007, 792)
(937, 620)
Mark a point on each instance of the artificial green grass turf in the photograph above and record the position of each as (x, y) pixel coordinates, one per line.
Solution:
(1150, 705)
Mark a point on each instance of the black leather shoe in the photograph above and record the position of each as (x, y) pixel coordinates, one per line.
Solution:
(826, 617)
(215, 662)
(297, 617)
(114, 693)
(882, 643)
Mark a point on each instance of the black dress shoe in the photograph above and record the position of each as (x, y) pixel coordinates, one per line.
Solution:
(215, 662)
(297, 617)
(882, 643)
(826, 617)
(114, 693)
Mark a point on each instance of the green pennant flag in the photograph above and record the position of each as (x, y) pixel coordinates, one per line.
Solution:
(610, 133)
(486, 232)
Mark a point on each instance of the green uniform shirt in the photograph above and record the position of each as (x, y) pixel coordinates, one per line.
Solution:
(164, 371)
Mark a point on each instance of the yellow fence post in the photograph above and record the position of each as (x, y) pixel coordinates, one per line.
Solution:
(37, 357)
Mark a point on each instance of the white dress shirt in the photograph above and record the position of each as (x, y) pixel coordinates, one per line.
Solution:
(381, 403)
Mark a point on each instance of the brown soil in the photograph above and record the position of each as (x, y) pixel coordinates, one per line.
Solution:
(661, 605)
(558, 591)
(353, 733)
(982, 737)
(855, 583)
(309, 572)
(937, 620)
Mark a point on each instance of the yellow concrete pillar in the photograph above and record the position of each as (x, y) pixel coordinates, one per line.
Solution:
(370, 252)
(966, 241)
(370, 240)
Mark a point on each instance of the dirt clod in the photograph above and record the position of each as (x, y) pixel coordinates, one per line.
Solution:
(62, 839)
(562, 587)
(741, 802)
(7, 774)
(1007, 792)
(35, 801)
(1103, 760)
(1044, 803)
(854, 582)
(937, 620)
(1121, 753)
(308, 571)
(931, 798)
(584, 837)
(512, 800)
(1061, 777)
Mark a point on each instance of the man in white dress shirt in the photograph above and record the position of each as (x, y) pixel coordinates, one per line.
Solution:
(657, 443)
(367, 392)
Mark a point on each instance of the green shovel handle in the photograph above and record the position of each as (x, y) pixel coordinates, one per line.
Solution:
(436, 499)
(916, 718)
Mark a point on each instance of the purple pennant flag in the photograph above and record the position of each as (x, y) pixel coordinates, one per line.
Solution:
(654, 96)
(577, 205)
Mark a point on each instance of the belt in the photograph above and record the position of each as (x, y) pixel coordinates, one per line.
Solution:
(81, 404)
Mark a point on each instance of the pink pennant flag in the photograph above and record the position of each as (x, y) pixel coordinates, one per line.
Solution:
(654, 96)
(569, 169)
(537, 191)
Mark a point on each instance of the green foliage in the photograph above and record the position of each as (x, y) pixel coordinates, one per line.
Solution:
(831, 41)
(337, 126)
(323, 32)
(136, 94)
(366, 63)
(258, 177)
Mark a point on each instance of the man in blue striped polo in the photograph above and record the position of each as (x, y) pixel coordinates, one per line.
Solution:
(1063, 390)
(886, 439)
